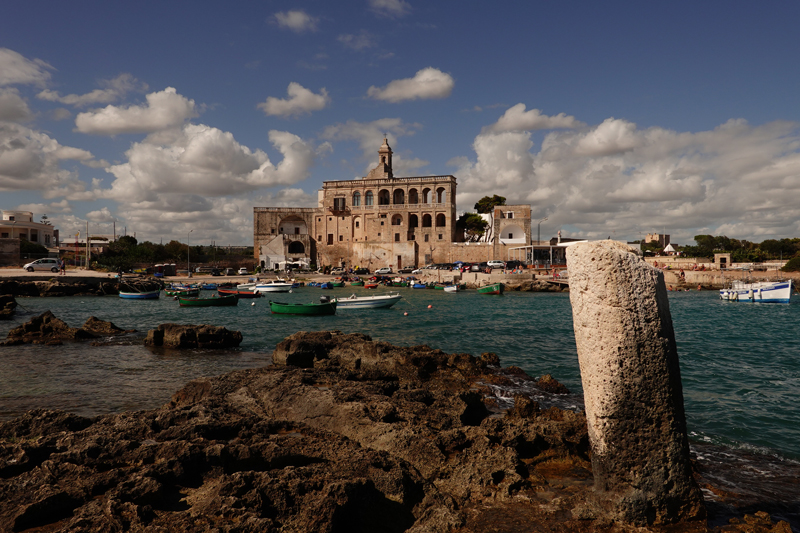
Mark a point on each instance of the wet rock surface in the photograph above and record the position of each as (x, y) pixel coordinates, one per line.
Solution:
(187, 336)
(8, 306)
(49, 329)
(361, 436)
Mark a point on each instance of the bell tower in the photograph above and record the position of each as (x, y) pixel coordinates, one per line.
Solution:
(384, 168)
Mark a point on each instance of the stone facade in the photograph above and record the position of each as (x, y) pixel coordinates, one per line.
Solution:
(381, 220)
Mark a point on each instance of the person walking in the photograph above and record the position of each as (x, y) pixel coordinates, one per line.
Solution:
(63, 267)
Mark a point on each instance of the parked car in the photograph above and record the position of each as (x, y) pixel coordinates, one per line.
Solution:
(495, 264)
(479, 267)
(384, 270)
(243, 271)
(362, 271)
(338, 271)
(48, 263)
(230, 272)
(407, 270)
(216, 272)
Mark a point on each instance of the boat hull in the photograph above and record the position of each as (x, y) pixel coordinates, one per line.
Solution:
(368, 302)
(239, 293)
(273, 287)
(149, 295)
(311, 309)
(222, 301)
(762, 292)
(494, 288)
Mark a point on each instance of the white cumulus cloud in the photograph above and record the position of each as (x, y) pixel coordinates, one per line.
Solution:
(428, 83)
(359, 41)
(296, 20)
(113, 90)
(13, 107)
(164, 109)
(301, 101)
(517, 119)
(178, 169)
(15, 69)
(614, 179)
(369, 136)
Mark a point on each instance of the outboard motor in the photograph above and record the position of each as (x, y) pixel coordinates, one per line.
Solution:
(324, 299)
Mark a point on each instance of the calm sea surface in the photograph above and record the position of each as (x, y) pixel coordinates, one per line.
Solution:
(740, 362)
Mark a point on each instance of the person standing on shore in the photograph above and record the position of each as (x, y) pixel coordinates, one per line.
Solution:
(62, 267)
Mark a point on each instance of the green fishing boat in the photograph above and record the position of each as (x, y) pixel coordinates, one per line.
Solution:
(356, 283)
(494, 288)
(338, 283)
(324, 308)
(216, 301)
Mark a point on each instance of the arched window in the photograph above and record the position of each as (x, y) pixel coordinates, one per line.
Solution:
(397, 220)
(441, 196)
(399, 197)
(413, 196)
(356, 199)
(426, 196)
(426, 221)
(368, 198)
(440, 220)
(413, 221)
(383, 197)
(296, 247)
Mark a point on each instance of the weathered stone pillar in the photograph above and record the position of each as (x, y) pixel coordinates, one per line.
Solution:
(632, 386)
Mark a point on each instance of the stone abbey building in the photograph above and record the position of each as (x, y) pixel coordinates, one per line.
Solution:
(381, 220)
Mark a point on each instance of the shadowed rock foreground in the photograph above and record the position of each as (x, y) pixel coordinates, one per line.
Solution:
(358, 436)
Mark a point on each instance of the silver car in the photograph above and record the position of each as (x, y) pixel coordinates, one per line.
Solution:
(47, 263)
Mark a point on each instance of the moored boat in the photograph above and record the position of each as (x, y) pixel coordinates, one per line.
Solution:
(325, 285)
(760, 291)
(370, 285)
(312, 309)
(273, 286)
(186, 293)
(337, 283)
(494, 288)
(452, 288)
(239, 293)
(357, 283)
(220, 301)
(419, 286)
(368, 302)
(146, 295)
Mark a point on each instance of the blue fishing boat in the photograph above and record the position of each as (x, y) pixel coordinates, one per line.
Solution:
(326, 285)
(146, 295)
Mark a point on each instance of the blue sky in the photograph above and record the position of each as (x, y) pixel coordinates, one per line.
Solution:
(610, 119)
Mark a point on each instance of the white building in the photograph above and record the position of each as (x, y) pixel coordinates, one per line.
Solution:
(20, 224)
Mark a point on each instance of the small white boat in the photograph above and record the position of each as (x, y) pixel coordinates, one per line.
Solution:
(451, 288)
(761, 291)
(277, 285)
(368, 302)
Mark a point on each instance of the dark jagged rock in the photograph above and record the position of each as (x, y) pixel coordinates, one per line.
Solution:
(548, 384)
(187, 336)
(103, 328)
(46, 329)
(8, 305)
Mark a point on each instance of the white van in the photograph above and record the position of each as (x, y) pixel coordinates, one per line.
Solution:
(48, 263)
(495, 264)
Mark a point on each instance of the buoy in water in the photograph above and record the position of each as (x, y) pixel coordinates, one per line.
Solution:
(405, 314)
(430, 307)
(252, 303)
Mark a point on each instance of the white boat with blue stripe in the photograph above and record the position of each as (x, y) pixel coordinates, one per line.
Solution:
(761, 291)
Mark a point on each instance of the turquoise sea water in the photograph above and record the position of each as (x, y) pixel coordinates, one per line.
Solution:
(740, 362)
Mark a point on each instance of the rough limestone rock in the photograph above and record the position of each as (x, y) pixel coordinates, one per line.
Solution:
(103, 328)
(46, 329)
(187, 336)
(7, 306)
(632, 386)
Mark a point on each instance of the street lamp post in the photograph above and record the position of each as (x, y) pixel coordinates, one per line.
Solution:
(188, 255)
(539, 234)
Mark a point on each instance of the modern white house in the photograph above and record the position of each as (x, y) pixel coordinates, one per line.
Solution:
(20, 224)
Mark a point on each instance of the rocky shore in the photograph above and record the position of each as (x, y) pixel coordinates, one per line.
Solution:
(341, 433)
(66, 287)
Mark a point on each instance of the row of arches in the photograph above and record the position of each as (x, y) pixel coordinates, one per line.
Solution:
(398, 197)
(427, 220)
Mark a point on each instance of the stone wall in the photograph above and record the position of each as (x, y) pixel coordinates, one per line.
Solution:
(9, 252)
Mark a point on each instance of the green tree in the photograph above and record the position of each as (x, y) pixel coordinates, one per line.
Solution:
(473, 225)
(488, 203)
